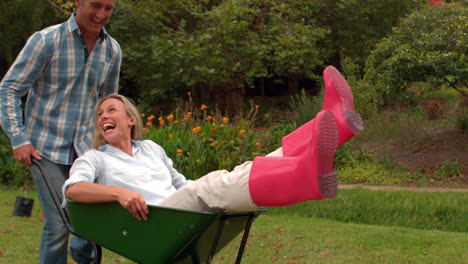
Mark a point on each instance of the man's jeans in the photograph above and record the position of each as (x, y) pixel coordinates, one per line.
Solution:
(54, 240)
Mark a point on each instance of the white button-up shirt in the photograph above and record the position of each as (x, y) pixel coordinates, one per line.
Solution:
(148, 172)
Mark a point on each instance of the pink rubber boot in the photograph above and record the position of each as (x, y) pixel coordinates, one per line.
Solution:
(339, 100)
(280, 181)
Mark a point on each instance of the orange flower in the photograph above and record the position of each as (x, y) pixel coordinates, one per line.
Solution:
(225, 120)
(170, 135)
(258, 144)
(187, 115)
(203, 107)
(151, 117)
(142, 114)
(196, 130)
(257, 106)
(242, 132)
(145, 130)
(209, 118)
(170, 117)
(176, 121)
(189, 93)
(179, 151)
(149, 123)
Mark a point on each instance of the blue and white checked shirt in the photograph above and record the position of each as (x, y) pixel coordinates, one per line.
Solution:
(63, 84)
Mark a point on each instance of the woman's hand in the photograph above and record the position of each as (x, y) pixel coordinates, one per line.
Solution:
(134, 203)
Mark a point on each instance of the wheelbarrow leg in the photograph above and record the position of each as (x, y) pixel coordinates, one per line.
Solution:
(244, 238)
(216, 240)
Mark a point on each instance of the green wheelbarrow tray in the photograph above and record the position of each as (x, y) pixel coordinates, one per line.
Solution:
(168, 236)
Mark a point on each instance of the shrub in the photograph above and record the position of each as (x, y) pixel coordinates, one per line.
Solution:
(201, 139)
(12, 173)
(306, 107)
(430, 46)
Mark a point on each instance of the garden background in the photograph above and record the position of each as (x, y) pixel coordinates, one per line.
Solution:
(221, 81)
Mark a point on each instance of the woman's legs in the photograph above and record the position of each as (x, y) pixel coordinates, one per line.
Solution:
(306, 170)
(219, 190)
(269, 181)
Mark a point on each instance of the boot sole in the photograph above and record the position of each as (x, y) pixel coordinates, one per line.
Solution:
(352, 118)
(327, 143)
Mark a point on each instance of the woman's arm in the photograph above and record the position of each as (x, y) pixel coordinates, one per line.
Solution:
(88, 192)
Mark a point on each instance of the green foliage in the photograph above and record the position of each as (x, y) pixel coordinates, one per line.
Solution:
(447, 170)
(12, 172)
(429, 46)
(354, 27)
(14, 31)
(462, 119)
(409, 125)
(201, 140)
(213, 48)
(306, 107)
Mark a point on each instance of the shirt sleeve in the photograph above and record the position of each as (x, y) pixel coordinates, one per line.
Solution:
(24, 72)
(84, 169)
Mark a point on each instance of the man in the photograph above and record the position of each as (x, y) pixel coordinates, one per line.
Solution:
(64, 70)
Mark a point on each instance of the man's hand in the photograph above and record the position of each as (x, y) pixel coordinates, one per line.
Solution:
(134, 203)
(24, 154)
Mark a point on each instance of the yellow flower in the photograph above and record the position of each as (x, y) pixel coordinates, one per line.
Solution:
(225, 120)
(242, 132)
(179, 151)
(203, 107)
(196, 129)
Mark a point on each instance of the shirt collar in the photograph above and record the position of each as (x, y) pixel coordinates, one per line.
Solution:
(73, 26)
(111, 149)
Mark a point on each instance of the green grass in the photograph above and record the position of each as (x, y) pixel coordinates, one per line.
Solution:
(295, 239)
(303, 234)
(446, 211)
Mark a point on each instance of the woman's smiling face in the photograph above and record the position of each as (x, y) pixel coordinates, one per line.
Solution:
(113, 122)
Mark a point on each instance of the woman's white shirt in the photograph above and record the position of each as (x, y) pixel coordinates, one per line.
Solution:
(148, 172)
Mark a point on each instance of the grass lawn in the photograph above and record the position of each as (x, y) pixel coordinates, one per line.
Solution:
(276, 238)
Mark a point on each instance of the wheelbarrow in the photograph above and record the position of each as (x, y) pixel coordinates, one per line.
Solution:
(168, 236)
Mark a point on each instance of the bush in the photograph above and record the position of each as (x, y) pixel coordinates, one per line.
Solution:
(430, 46)
(201, 139)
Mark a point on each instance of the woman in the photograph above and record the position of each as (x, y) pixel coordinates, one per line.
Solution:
(136, 173)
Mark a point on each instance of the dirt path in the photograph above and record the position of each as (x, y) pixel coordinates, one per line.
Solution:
(396, 188)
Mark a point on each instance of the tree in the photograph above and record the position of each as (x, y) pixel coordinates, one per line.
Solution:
(213, 48)
(429, 46)
(14, 32)
(355, 27)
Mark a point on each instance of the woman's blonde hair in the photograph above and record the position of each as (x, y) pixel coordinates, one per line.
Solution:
(132, 112)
